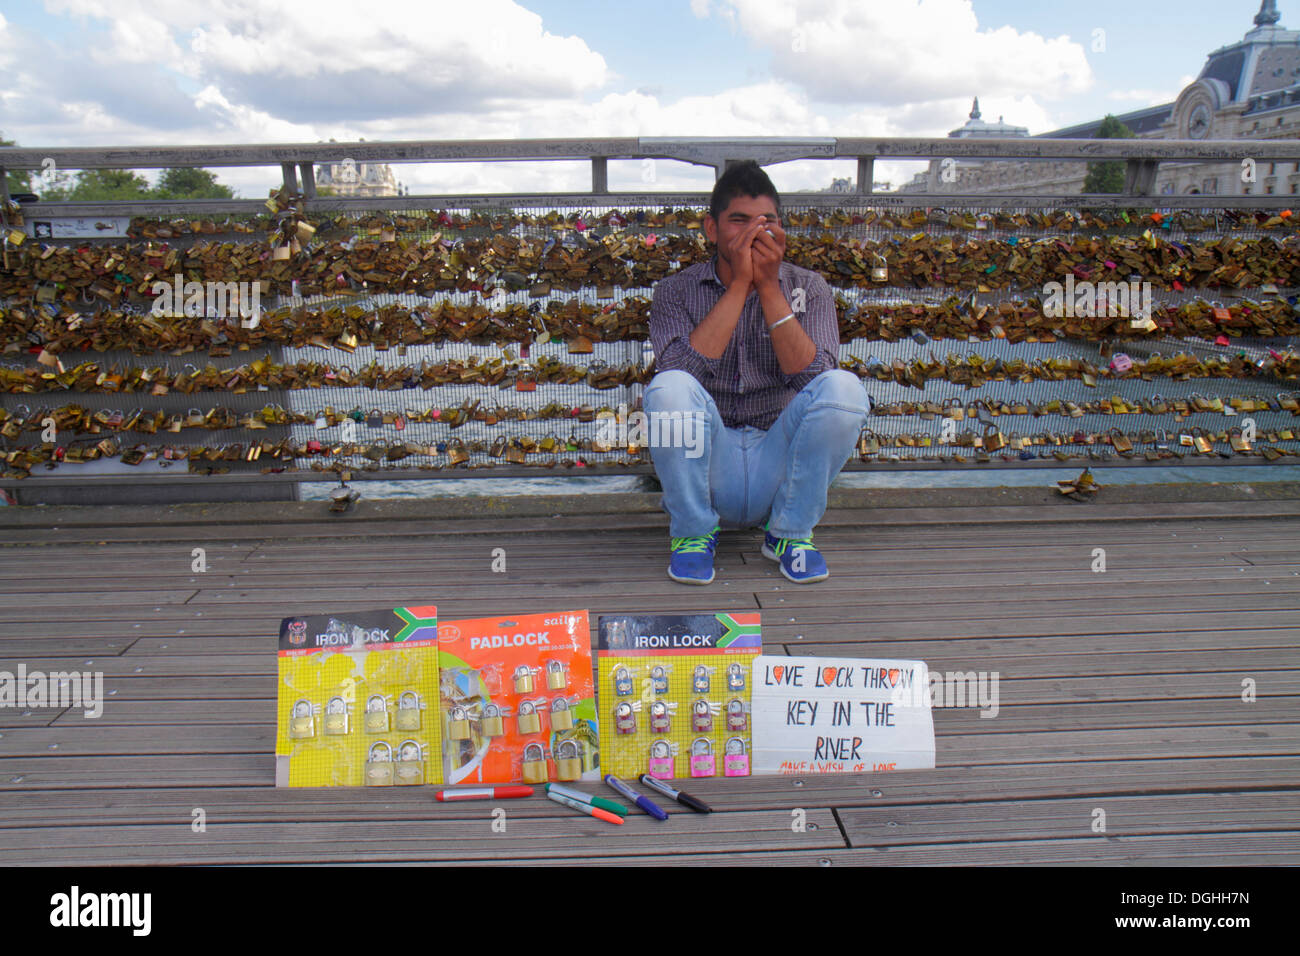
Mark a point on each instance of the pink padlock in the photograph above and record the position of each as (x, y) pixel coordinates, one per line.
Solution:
(659, 722)
(702, 759)
(701, 717)
(1120, 362)
(735, 762)
(737, 719)
(624, 719)
(661, 760)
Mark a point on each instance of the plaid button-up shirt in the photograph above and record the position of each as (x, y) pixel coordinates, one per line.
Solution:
(747, 382)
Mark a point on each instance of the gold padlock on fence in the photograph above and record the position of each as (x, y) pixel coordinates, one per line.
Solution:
(458, 723)
(993, 438)
(379, 765)
(336, 716)
(376, 714)
(530, 722)
(1201, 442)
(410, 764)
(1119, 441)
(408, 711)
(456, 452)
(561, 715)
(568, 760)
(301, 722)
(534, 769)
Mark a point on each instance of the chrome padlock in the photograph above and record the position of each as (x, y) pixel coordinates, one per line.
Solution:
(735, 676)
(530, 721)
(702, 760)
(410, 763)
(737, 719)
(408, 711)
(376, 714)
(700, 680)
(457, 723)
(534, 770)
(568, 760)
(661, 760)
(336, 716)
(624, 718)
(379, 765)
(701, 717)
(735, 762)
(659, 722)
(622, 681)
(492, 725)
(301, 722)
(659, 676)
(561, 716)
(556, 678)
(523, 679)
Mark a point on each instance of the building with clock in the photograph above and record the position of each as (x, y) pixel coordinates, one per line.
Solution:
(1247, 90)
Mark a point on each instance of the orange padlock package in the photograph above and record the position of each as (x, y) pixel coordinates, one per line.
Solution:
(518, 699)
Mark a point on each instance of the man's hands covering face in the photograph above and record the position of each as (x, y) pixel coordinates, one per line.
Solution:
(766, 253)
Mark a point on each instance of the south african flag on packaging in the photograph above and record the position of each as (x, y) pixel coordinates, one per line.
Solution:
(358, 699)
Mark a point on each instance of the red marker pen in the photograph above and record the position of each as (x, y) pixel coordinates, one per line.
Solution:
(483, 793)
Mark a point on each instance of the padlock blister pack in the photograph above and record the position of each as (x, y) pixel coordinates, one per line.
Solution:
(675, 693)
(517, 700)
(357, 699)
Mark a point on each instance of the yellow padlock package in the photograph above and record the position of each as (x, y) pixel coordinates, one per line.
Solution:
(357, 703)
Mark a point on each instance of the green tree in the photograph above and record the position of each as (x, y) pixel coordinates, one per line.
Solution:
(106, 185)
(19, 182)
(1108, 177)
(186, 183)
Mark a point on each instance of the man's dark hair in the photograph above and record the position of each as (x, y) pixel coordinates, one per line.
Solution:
(743, 179)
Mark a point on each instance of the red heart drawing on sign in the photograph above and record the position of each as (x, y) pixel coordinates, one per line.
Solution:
(828, 675)
(893, 677)
(778, 671)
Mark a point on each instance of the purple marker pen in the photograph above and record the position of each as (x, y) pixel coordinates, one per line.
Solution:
(645, 803)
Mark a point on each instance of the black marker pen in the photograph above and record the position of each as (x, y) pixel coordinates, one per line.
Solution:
(685, 799)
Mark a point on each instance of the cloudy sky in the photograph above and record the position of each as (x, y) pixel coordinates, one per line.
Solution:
(116, 72)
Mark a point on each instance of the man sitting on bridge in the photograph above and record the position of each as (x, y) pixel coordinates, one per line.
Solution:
(747, 348)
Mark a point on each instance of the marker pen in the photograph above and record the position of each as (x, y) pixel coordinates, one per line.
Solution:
(613, 806)
(645, 803)
(586, 808)
(483, 793)
(685, 799)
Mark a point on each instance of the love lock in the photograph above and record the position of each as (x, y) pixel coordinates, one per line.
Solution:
(659, 676)
(568, 760)
(336, 716)
(661, 760)
(379, 765)
(534, 769)
(561, 715)
(556, 679)
(702, 760)
(622, 681)
(880, 270)
(530, 721)
(701, 717)
(737, 719)
(408, 711)
(410, 763)
(457, 723)
(993, 438)
(624, 718)
(700, 680)
(492, 725)
(735, 677)
(735, 762)
(659, 721)
(301, 722)
(376, 714)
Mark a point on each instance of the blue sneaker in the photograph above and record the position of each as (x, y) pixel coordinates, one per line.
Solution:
(692, 561)
(801, 562)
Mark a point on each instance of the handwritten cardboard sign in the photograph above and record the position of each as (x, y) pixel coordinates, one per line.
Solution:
(840, 715)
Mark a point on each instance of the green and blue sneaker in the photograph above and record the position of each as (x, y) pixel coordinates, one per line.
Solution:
(800, 560)
(692, 561)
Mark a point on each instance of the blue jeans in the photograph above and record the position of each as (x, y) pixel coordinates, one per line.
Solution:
(746, 474)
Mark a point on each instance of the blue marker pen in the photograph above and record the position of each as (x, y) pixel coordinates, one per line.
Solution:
(645, 803)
